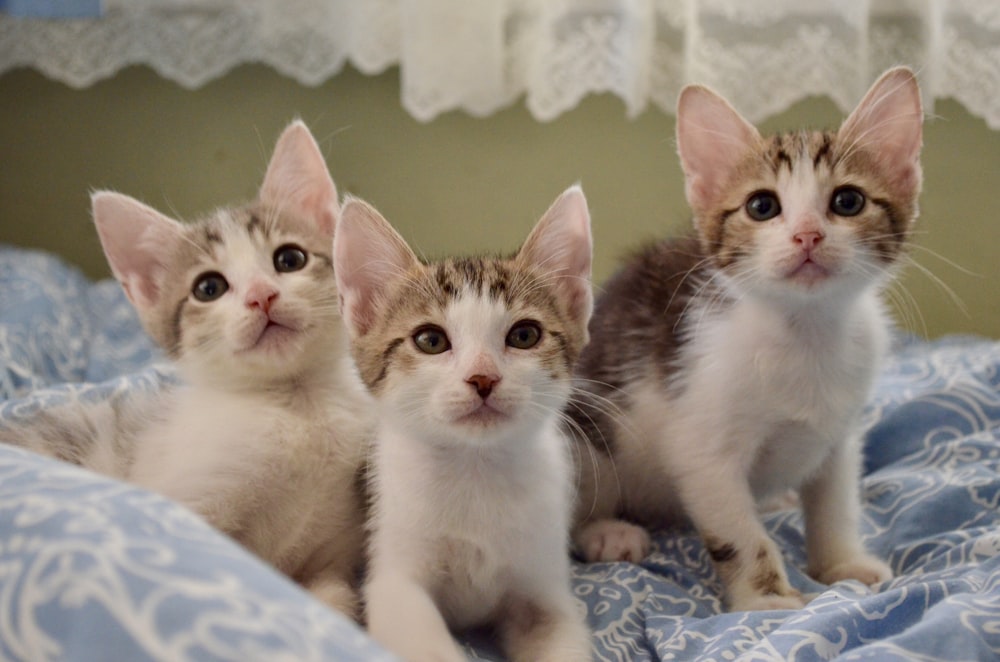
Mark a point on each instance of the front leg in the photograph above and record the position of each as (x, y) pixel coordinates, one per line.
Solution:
(720, 504)
(402, 617)
(544, 629)
(832, 508)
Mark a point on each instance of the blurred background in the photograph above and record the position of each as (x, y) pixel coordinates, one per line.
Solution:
(466, 173)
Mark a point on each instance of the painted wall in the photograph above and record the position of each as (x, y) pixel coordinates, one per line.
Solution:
(457, 184)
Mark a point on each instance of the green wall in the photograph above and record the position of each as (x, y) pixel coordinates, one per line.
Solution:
(457, 184)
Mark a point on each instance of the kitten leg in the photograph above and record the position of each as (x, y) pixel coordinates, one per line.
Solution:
(612, 540)
(543, 630)
(334, 591)
(748, 561)
(832, 510)
(402, 617)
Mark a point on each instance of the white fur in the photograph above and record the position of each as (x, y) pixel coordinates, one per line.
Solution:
(471, 522)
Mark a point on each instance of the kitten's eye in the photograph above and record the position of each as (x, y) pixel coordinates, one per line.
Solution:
(847, 201)
(289, 258)
(431, 340)
(524, 335)
(209, 286)
(763, 206)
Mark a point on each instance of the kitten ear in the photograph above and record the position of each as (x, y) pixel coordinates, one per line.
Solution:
(888, 124)
(712, 139)
(368, 254)
(135, 239)
(560, 244)
(298, 181)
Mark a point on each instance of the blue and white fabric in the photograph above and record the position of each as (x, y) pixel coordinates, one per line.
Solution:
(93, 569)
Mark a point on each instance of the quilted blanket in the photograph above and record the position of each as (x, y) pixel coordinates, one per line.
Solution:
(93, 569)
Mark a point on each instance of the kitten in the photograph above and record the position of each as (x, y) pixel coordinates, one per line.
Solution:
(470, 361)
(728, 367)
(267, 432)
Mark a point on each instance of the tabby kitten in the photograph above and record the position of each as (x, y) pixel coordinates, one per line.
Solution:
(729, 367)
(267, 432)
(470, 363)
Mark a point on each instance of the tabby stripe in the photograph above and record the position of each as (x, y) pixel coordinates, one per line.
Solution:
(896, 224)
(782, 157)
(174, 348)
(822, 152)
(387, 353)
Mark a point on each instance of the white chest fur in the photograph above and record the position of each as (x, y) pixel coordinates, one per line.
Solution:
(473, 524)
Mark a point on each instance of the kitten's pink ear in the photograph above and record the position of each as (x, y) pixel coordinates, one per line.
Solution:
(298, 181)
(560, 244)
(368, 255)
(712, 139)
(888, 124)
(136, 238)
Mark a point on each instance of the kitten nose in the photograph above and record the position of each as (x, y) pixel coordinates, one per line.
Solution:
(483, 384)
(808, 240)
(261, 296)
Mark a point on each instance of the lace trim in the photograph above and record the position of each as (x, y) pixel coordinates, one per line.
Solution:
(483, 56)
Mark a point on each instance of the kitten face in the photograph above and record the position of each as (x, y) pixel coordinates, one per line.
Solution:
(807, 212)
(251, 290)
(246, 293)
(488, 354)
(469, 350)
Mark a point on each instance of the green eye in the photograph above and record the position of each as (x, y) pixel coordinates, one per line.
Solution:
(847, 201)
(289, 258)
(524, 335)
(431, 340)
(209, 286)
(763, 206)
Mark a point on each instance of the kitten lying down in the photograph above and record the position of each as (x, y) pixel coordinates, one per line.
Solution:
(469, 361)
(728, 367)
(267, 433)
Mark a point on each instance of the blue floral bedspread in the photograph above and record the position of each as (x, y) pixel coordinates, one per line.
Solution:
(93, 569)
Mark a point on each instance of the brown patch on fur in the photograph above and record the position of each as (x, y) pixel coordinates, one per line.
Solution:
(766, 579)
(721, 552)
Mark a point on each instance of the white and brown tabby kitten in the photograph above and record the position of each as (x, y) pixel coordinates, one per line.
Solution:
(267, 433)
(470, 361)
(737, 363)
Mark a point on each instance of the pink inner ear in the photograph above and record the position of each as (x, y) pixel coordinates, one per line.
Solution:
(298, 181)
(888, 124)
(561, 244)
(135, 239)
(368, 254)
(712, 138)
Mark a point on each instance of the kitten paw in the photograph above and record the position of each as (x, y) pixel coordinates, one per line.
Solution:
(337, 594)
(613, 540)
(864, 568)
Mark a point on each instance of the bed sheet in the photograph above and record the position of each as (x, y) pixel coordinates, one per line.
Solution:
(90, 568)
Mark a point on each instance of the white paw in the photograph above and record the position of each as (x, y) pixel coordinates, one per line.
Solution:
(337, 594)
(613, 540)
(864, 568)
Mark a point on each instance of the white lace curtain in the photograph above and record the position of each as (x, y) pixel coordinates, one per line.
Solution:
(482, 55)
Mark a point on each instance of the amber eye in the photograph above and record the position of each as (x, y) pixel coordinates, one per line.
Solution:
(524, 335)
(763, 206)
(431, 340)
(289, 258)
(847, 201)
(209, 286)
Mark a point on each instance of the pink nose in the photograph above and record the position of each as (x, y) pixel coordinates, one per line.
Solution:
(261, 296)
(483, 384)
(808, 240)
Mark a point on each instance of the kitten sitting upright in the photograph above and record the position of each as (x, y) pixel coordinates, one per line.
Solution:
(470, 363)
(738, 363)
(267, 433)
